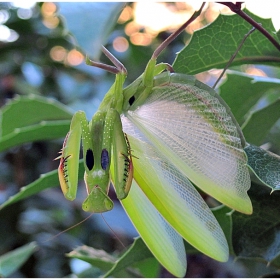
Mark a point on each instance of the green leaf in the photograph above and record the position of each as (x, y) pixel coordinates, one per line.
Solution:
(43, 119)
(265, 166)
(274, 136)
(138, 251)
(47, 180)
(149, 268)
(34, 110)
(12, 261)
(259, 123)
(98, 258)
(98, 19)
(213, 45)
(117, 267)
(45, 130)
(241, 92)
(222, 214)
(91, 272)
(276, 261)
(258, 235)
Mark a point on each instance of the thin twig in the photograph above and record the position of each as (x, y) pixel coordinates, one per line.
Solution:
(234, 55)
(169, 39)
(236, 8)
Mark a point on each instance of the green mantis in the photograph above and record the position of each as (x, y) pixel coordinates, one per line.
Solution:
(177, 129)
(102, 137)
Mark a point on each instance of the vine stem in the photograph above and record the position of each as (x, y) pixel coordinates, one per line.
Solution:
(169, 39)
(236, 8)
(234, 55)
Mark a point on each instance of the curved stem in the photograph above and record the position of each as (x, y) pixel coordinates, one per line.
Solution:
(169, 39)
(234, 55)
(236, 8)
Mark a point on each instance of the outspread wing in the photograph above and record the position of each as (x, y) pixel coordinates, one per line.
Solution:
(190, 128)
(175, 198)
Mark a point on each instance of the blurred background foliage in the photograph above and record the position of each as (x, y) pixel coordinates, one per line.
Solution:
(38, 56)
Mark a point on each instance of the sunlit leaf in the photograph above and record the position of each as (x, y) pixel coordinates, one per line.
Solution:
(213, 45)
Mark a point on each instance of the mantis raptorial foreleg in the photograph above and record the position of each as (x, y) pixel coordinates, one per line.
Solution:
(123, 167)
(103, 133)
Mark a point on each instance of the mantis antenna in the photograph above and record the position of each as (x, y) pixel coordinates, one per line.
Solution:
(119, 67)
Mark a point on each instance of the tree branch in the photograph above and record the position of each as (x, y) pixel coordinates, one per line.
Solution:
(236, 8)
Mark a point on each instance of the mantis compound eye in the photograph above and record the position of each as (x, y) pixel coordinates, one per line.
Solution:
(105, 161)
(131, 100)
(89, 159)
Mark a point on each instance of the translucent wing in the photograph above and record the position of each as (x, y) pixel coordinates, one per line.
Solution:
(185, 122)
(162, 240)
(175, 199)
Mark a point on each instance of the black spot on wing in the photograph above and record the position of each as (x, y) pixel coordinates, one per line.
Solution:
(89, 159)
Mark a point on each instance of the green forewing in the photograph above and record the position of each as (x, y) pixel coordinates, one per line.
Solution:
(163, 241)
(188, 126)
(176, 199)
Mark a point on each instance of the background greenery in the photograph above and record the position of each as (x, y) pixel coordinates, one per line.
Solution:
(33, 125)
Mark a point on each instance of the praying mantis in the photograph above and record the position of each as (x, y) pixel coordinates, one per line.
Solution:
(149, 139)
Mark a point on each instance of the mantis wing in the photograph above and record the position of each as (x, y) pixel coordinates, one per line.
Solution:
(176, 200)
(162, 240)
(191, 127)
